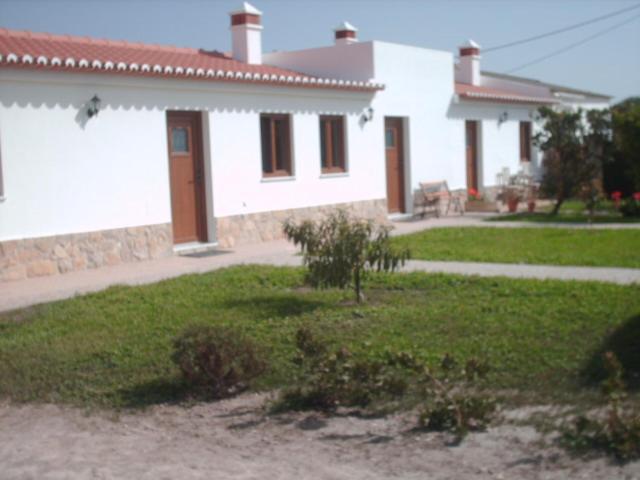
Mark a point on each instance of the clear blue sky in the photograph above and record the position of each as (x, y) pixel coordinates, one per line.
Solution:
(609, 64)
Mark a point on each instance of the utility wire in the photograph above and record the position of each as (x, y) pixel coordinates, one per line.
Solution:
(574, 45)
(560, 30)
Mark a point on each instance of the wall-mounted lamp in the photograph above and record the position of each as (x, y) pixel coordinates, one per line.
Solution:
(367, 115)
(94, 106)
(504, 116)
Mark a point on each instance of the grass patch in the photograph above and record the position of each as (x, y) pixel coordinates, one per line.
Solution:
(571, 218)
(549, 246)
(572, 212)
(113, 348)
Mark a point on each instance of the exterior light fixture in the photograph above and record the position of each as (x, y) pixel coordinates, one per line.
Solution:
(94, 106)
(504, 116)
(367, 115)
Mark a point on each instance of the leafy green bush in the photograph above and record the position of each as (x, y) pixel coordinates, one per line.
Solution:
(217, 360)
(339, 250)
(618, 433)
(630, 207)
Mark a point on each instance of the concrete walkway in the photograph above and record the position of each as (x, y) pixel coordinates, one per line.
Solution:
(32, 291)
(622, 276)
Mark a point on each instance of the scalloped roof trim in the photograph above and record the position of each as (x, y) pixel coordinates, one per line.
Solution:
(47, 51)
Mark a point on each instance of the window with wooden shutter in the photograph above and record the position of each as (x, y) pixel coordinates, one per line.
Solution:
(332, 145)
(276, 145)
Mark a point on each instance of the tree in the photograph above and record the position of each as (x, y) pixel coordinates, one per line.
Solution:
(575, 144)
(340, 250)
(623, 173)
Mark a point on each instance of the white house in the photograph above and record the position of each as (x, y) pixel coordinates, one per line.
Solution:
(113, 152)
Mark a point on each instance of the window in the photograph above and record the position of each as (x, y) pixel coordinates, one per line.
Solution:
(276, 145)
(390, 138)
(332, 144)
(525, 141)
(179, 140)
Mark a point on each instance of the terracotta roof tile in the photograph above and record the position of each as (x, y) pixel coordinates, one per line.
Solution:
(473, 92)
(65, 52)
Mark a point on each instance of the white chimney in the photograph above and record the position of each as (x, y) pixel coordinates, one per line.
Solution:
(345, 33)
(469, 66)
(246, 33)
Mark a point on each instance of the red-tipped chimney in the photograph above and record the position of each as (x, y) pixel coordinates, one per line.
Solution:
(345, 33)
(469, 66)
(246, 33)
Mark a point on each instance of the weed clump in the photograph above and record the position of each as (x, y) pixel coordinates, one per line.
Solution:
(333, 378)
(618, 432)
(216, 360)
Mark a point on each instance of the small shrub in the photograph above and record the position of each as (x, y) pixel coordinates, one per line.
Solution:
(333, 378)
(618, 433)
(449, 406)
(631, 206)
(218, 361)
(458, 414)
(339, 250)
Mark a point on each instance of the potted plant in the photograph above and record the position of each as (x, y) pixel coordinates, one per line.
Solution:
(511, 196)
(531, 199)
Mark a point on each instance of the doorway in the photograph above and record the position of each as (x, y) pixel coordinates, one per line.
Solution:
(186, 171)
(394, 149)
(472, 154)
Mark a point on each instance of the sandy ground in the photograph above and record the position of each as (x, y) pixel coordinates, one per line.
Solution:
(234, 439)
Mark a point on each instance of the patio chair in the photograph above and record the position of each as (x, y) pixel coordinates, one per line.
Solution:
(436, 196)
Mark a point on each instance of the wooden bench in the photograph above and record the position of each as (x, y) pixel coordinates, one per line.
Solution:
(436, 196)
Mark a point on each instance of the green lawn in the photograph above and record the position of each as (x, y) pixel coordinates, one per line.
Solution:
(573, 211)
(112, 349)
(540, 217)
(551, 246)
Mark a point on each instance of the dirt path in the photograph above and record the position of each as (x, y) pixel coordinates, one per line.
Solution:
(233, 439)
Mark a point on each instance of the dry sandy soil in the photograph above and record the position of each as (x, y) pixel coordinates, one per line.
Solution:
(234, 439)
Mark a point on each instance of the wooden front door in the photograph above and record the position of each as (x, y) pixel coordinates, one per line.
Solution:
(394, 147)
(186, 168)
(472, 154)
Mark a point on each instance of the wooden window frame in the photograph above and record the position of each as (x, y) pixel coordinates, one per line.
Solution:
(332, 165)
(525, 143)
(272, 160)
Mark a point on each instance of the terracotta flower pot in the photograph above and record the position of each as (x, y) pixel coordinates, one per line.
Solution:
(512, 204)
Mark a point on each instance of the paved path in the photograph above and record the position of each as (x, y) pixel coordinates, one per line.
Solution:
(23, 293)
(622, 276)
(403, 227)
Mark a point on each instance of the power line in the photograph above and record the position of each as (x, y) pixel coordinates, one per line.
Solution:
(560, 30)
(574, 45)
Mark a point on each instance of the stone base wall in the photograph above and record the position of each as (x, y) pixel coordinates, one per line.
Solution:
(266, 226)
(35, 257)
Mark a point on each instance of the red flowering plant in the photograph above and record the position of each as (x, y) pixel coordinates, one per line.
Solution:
(636, 196)
(616, 197)
(474, 194)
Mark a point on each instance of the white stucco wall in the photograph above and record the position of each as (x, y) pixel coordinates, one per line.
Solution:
(64, 174)
(499, 142)
(349, 61)
(419, 88)
(64, 177)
